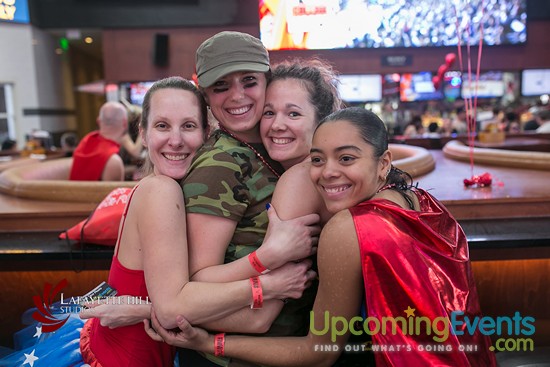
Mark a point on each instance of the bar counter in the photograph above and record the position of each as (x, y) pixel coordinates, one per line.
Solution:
(19, 214)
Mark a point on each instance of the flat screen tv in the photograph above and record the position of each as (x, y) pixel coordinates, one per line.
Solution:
(332, 24)
(418, 87)
(134, 92)
(16, 11)
(390, 85)
(452, 83)
(360, 88)
(535, 82)
(490, 85)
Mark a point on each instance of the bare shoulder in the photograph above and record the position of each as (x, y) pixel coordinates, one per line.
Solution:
(158, 204)
(114, 169)
(339, 230)
(153, 180)
(159, 180)
(296, 173)
(340, 222)
(158, 187)
(295, 195)
(339, 256)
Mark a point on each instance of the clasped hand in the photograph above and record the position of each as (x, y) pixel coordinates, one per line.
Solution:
(186, 336)
(289, 240)
(117, 312)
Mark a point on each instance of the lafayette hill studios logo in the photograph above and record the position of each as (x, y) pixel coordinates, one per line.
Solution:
(43, 313)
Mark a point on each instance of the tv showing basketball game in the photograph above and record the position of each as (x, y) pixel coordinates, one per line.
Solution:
(332, 24)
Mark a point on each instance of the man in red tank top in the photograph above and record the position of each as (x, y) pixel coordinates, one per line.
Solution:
(96, 156)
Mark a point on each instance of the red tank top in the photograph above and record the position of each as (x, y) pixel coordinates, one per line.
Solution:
(129, 345)
(91, 156)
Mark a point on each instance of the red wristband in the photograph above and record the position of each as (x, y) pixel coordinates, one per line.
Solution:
(219, 345)
(257, 264)
(257, 293)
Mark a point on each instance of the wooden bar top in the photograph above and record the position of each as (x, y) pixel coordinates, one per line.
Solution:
(439, 142)
(518, 143)
(14, 160)
(514, 193)
(19, 214)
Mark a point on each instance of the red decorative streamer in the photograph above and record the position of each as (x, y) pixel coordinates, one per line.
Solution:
(470, 106)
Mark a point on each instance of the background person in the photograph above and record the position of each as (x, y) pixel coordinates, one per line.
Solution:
(414, 128)
(543, 119)
(96, 156)
(511, 123)
(131, 146)
(389, 244)
(9, 145)
(459, 124)
(433, 130)
(68, 143)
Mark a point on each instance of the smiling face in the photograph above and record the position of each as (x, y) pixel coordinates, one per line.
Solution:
(236, 101)
(343, 166)
(288, 121)
(174, 131)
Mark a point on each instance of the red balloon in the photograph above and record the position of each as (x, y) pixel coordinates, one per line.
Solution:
(436, 80)
(450, 59)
